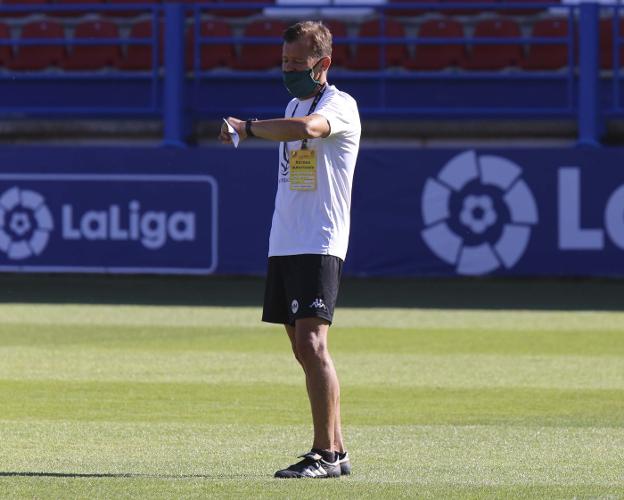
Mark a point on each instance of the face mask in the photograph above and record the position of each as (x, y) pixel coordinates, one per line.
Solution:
(300, 83)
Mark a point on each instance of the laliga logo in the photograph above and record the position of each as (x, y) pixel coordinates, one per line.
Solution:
(478, 213)
(25, 223)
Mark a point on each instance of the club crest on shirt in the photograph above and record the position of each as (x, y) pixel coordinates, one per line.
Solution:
(294, 306)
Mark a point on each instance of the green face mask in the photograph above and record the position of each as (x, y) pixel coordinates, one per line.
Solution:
(300, 83)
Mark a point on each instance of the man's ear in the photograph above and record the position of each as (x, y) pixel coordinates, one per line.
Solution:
(326, 63)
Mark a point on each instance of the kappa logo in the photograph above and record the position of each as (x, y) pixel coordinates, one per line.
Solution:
(478, 213)
(294, 306)
(25, 223)
(318, 304)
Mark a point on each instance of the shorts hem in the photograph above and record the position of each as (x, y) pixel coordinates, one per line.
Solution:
(275, 321)
(314, 315)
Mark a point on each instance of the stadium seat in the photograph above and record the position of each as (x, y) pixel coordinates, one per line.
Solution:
(437, 57)
(258, 57)
(468, 11)
(239, 12)
(548, 57)
(73, 13)
(84, 57)
(340, 52)
(131, 13)
(400, 11)
(33, 57)
(606, 43)
(5, 50)
(498, 56)
(139, 57)
(367, 56)
(211, 55)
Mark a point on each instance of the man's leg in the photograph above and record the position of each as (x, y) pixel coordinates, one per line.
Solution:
(321, 379)
(338, 442)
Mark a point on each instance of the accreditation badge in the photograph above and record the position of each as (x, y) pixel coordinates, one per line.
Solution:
(303, 170)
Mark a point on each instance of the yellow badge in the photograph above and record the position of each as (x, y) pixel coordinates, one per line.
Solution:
(303, 170)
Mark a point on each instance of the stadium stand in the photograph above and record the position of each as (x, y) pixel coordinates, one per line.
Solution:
(398, 11)
(76, 13)
(525, 11)
(381, 51)
(211, 55)
(17, 3)
(6, 53)
(548, 57)
(241, 12)
(340, 52)
(139, 57)
(130, 13)
(606, 42)
(468, 11)
(438, 57)
(34, 57)
(368, 55)
(263, 56)
(92, 57)
(495, 56)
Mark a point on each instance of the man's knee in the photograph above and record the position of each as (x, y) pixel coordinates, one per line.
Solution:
(310, 344)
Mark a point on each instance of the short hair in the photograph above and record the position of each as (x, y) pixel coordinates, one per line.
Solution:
(317, 34)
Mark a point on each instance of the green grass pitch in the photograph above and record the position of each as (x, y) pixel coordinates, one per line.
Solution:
(174, 389)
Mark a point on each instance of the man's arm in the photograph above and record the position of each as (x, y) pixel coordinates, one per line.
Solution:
(280, 129)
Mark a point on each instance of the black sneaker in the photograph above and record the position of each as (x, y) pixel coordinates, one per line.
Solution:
(312, 466)
(345, 463)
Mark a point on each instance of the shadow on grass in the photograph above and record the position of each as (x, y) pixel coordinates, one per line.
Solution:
(541, 294)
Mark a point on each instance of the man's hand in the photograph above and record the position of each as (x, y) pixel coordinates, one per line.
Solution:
(238, 125)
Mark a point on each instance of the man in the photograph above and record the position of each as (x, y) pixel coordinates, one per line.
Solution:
(319, 140)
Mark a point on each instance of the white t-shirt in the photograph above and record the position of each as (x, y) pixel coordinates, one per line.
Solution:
(318, 221)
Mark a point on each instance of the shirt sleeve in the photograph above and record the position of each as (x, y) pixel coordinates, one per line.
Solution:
(337, 112)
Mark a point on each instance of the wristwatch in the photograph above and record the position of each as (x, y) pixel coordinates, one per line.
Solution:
(248, 126)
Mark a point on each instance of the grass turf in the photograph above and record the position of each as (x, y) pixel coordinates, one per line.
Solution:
(165, 401)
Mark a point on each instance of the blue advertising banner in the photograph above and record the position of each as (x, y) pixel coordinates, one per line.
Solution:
(108, 222)
(521, 212)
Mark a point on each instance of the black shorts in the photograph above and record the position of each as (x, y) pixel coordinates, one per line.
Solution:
(301, 286)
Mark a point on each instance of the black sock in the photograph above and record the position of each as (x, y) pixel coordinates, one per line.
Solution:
(328, 456)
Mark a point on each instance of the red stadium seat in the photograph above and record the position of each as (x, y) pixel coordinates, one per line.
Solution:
(468, 11)
(437, 57)
(406, 12)
(239, 12)
(213, 55)
(83, 57)
(33, 57)
(130, 13)
(548, 57)
(72, 13)
(257, 57)
(5, 50)
(340, 52)
(498, 56)
(139, 57)
(606, 43)
(367, 57)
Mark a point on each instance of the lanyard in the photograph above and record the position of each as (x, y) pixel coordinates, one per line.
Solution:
(317, 98)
